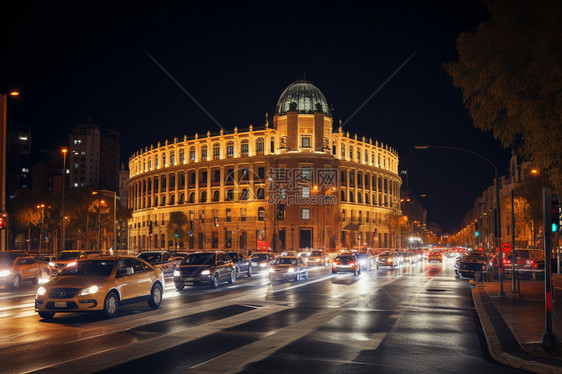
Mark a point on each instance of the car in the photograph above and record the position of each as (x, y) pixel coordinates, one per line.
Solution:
(242, 263)
(261, 261)
(17, 267)
(317, 258)
(210, 268)
(346, 263)
(365, 260)
(388, 259)
(160, 259)
(473, 263)
(69, 258)
(435, 257)
(288, 267)
(100, 283)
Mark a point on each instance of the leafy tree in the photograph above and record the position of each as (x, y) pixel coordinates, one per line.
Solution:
(510, 74)
(178, 223)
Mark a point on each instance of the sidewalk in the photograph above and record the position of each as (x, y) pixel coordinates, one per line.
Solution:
(513, 326)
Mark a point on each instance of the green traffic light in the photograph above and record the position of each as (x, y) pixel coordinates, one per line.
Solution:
(554, 227)
(476, 233)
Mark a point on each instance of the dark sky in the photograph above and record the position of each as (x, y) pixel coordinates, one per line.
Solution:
(81, 59)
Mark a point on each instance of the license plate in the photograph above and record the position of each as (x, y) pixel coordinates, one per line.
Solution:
(60, 304)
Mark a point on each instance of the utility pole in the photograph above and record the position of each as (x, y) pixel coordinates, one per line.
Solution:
(513, 255)
(549, 340)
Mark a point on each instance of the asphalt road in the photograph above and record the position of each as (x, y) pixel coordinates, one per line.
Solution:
(415, 318)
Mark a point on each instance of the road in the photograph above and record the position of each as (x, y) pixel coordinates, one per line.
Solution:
(416, 318)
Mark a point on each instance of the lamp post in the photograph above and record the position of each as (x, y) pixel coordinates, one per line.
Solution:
(498, 212)
(3, 132)
(63, 232)
(42, 207)
(100, 202)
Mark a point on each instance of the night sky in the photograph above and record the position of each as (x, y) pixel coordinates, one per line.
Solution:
(88, 59)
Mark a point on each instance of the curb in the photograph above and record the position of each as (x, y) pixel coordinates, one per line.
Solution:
(495, 346)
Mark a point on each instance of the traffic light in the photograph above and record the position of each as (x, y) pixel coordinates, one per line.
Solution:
(176, 234)
(2, 222)
(555, 213)
(476, 230)
(281, 212)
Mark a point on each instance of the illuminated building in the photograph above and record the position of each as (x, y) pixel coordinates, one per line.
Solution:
(314, 187)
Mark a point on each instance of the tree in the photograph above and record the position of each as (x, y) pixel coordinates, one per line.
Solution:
(177, 225)
(510, 74)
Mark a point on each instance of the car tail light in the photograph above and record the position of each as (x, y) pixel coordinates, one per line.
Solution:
(336, 263)
(532, 262)
(352, 264)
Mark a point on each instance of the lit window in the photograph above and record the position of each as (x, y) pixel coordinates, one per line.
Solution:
(305, 213)
(23, 138)
(305, 172)
(305, 192)
(306, 141)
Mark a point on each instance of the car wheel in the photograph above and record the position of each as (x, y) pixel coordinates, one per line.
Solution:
(155, 296)
(249, 271)
(233, 276)
(111, 305)
(180, 286)
(46, 315)
(215, 281)
(16, 282)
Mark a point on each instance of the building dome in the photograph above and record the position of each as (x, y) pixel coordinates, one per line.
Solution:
(303, 97)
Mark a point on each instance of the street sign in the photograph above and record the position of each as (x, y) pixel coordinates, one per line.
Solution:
(506, 247)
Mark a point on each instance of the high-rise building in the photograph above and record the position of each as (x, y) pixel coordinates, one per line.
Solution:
(109, 160)
(18, 159)
(84, 155)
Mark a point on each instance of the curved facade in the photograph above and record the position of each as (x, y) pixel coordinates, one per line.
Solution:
(288, 185)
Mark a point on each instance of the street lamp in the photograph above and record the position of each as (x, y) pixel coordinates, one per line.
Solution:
(100, 202)
(63, 233)
(498, 212)
(42, 207)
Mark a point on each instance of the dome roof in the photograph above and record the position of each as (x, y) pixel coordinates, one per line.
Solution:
(306, 97)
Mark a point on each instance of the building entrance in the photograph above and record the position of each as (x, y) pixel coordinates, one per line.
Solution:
(305, 238)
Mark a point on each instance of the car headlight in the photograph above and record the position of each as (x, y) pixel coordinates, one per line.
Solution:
(90, 290)
(52, 264)
(71, 264)
(389, 260)
(177, 273)
(263, 264)
(271, 270)
(4, 273)
(317, 260)
(291, 270)
(206, 272)
(41, 291)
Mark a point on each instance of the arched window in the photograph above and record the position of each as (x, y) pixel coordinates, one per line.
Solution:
(156, 201)
(259, 146)
(350, 153)
(172, 158)
(216, 195)
(244, 148)
(204, 153)
(272, 145)
(203, 197)
(359, 199)
(230, 149)
(366, 198)
(244, 195)
(163, 200)
(229, 195)
(216, 151)
(374, 199)
(351, 199)
(343, 151)
(192, 154)
(192, 197)
(342, 197)
(260, 194)
(172, 199)
(261, 214)
(182, 156)
(182, 198)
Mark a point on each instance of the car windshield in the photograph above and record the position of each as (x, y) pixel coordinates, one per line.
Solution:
(233, 256)
(316, 253)
(151, 258)
(260, 257)
(285, 261)
(348, 258)
(198, 259)
(90, 267)
(7, 259)
(67, 256)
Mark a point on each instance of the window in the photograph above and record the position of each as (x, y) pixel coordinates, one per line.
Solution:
(261, 172)
(342, 196)
(350, 153)
(228, 215)
(305, 191)
(182, 198)
(343, 151)
(204, 153)
(172, 199)
(244, 195)
(259, 146)
(244, 148)
(172, 158)
(229, 195)
(203, 197)
(306, 141)
(217, 176)
(261, 214)
(156, 161)
(216, 195)
(260, 194)
(272, 145)
(192, 197)
(182, 157)
(242, 214)
(216, 151)
(343, 215)
(230, 149)
(305, 213)
(305, 172)
(164, 160)
(282, 192)
(351, 199)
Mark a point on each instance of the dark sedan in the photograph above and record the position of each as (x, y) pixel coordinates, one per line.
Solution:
(210, 268)
(242, 263)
